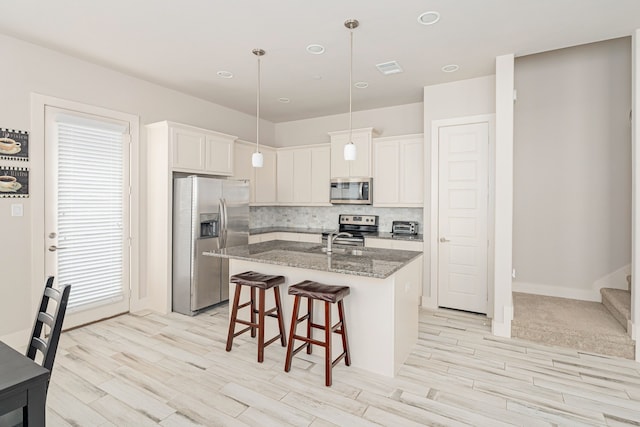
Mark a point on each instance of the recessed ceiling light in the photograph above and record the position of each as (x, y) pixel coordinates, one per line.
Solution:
(284, 100)
(450, 68)
(317, 77)
(315, 49)
(361, 85)
(225, 74)
(391, 67)
(429, 18)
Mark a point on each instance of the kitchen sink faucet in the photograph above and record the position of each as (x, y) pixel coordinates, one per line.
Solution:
(332, 236)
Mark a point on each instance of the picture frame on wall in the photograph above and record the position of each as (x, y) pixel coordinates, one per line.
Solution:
(14, 182)
(14, 144)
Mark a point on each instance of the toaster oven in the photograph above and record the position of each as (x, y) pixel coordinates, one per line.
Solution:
(404, 227)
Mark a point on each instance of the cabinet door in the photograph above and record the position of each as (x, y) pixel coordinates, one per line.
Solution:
(266, 178)
(285, 176)
(411, 172)
(386, 179)
(361, 166)
(219, 155)
(242, 168)
(302, 176)
(188, 150)
(320, 174)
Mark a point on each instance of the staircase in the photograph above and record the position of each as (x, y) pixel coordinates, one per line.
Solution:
(618, 302)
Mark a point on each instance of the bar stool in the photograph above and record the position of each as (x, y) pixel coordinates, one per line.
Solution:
(262, 282)
(330, 295)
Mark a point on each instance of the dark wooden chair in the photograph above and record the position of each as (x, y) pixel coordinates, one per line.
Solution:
(46, 341)
(43, 343)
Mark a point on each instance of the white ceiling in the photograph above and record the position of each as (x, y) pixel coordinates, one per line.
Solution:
(181, 44)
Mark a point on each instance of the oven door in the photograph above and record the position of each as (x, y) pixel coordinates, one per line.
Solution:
(347, 191)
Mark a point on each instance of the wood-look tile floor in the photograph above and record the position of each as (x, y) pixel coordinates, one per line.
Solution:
(173, 370)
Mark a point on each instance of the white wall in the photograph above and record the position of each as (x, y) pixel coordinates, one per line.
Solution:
(389, 121)
(572, 169)
(28, 68)
(446, 101)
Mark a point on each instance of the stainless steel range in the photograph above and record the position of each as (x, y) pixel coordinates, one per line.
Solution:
(358, 226)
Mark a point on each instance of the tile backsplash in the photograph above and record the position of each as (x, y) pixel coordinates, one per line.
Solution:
(327, 217)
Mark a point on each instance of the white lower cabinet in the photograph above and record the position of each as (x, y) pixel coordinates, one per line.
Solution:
(292, 237)
(404, 245)
(398, 166)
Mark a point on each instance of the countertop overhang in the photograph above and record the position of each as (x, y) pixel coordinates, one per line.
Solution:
(368, 262)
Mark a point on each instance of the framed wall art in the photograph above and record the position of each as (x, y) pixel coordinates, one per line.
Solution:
(14, 182)
(14, 144)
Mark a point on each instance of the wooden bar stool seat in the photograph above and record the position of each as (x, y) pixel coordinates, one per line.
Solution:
(262, 282)
(329, 294)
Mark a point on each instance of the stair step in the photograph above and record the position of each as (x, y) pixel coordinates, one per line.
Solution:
(583, 325)
(618, 302)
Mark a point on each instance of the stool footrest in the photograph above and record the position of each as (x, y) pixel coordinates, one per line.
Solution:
(272, 340)
(241, 332)
(297, 350)
(338, 359)
(246, 322)
(310, 340)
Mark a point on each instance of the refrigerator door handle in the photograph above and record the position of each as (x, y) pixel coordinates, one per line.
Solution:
(225, 222)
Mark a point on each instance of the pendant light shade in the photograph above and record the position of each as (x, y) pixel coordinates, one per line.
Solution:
(350, 152)
(350, 148)
(257, 160)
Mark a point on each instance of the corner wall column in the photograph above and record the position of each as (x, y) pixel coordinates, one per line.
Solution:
(503, 237)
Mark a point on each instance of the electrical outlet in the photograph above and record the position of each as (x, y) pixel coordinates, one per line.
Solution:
(17, 210)
(513, 273)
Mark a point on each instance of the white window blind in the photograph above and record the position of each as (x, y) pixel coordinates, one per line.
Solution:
(90, 210)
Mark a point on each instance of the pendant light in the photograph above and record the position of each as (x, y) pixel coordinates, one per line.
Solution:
(257, 160)
(350, 147)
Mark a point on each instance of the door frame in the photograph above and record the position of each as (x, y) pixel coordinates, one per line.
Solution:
(435, 197)
(37, 192)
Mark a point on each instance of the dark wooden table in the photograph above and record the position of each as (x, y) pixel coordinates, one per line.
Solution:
(23, 383)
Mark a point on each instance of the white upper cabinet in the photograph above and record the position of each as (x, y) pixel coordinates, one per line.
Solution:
(194, 150)
(262, 180)
(398, 166)
(303, 175)
(361, 166)
(265, 178)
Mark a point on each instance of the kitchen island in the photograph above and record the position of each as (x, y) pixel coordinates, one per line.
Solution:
(381, 310)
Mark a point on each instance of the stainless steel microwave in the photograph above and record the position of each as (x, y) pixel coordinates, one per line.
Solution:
(351, 191)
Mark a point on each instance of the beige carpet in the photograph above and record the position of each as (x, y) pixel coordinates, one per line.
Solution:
(581, 325)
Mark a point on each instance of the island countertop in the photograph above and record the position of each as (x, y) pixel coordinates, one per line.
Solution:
(367, 262)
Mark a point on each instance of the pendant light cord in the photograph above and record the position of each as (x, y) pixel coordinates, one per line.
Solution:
(350, 84)
(258, 112)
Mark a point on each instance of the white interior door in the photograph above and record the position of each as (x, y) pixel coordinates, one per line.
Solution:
(462, 216)
(87, 224)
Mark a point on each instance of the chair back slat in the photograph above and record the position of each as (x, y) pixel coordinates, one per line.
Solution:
(46, 318)
(48, 344)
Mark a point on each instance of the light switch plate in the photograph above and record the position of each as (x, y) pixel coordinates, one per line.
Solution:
(17, 210)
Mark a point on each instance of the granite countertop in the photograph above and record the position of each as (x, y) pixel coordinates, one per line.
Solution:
(367, 262)
(380, 235)
(264, 230)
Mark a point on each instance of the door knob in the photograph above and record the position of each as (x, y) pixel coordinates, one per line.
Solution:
(54, 248)
(444, 240)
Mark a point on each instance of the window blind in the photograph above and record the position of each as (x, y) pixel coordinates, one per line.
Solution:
(90, 211)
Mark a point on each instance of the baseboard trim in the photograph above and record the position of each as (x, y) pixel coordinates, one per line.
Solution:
(17, 340)
(614, 280)
(557, 291)
(430, 303)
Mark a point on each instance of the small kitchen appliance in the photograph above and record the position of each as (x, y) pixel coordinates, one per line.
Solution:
(351, 191)
(404, 227)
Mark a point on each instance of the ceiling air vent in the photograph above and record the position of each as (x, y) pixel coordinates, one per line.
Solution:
(391, 67)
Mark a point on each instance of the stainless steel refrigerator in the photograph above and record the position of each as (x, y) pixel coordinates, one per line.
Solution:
(208, 214)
